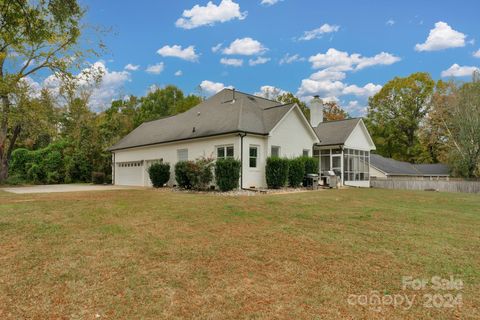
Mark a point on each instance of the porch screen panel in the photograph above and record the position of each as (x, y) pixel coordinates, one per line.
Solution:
(356, 165)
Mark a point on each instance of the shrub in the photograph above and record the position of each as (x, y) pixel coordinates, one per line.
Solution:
(311, 164)
(227, 173)
(18, 163)
(296, 172)
(35, 173)
(53, 177)
(276, 172)
(15, 179)
(159, 174)
(181, 174)
(98, 177)
(194, 174)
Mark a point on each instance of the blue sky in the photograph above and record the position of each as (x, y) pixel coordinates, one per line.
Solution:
(352, 49)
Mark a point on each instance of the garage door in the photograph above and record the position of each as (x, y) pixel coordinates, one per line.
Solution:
(129, 173)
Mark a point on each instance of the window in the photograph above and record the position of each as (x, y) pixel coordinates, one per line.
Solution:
(253, 155)
(275, 151)
(356, 165)
(306, 152)
(224, 152)
(182, 154)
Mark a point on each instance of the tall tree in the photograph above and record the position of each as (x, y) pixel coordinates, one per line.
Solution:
(332, 111)
(34, 36)
(289, 97)
(395, 113)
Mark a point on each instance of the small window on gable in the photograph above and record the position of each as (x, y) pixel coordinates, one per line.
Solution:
(182, 155)
(306, 152)
(275, 151)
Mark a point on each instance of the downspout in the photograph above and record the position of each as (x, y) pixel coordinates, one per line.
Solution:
(242, 135)
(113, 169)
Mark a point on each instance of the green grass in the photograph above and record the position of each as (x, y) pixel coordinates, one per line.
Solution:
(155, 254)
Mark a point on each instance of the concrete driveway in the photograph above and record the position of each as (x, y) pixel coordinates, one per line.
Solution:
(64, 188)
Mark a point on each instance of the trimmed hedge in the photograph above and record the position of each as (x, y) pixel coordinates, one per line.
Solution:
(181, 174)
(227, 174)
(159, 174)
(276, 172)
(296, 172)
(311, 164)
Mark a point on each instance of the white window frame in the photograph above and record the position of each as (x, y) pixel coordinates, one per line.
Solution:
(308, 152)
(180, 155)
(256, 147)
(224, 147)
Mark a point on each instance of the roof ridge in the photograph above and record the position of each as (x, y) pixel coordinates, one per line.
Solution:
(280, 105)
(249, 94)
(355, 118)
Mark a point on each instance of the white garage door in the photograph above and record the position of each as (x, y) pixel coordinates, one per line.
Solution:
(129, 173)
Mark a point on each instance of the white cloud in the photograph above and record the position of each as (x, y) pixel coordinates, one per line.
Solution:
(324, 88)
(176, 51)
(355, 108)
(390, 22)
(342, 61)
(459, 71)
(442, 37)
(328, 74)
(217, 47)
(178, 73)
(156, 68)
(245, 46)
(368, 90)
(269, 2)
(259, 60)
(287, 59)
(269, 92)
(211, 87)
(319, 32)
(477, 54)
(210, 14)
(131, 67)
(232, 62)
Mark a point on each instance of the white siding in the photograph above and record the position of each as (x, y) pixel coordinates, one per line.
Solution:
(168, 152)
(359, 139)
(292, 136)
(376, 173)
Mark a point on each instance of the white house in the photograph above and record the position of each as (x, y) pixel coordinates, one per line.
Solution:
(248, 128)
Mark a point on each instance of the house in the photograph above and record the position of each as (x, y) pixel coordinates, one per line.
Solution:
(247, 128)
(387, 168)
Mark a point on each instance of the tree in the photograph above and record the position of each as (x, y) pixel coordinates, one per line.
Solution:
(332, 111)
(395, 113)
(34, 36)
(162, 102)
(463, 130)
(288, 97)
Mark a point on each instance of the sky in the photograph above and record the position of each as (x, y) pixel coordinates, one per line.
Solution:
(341, 50)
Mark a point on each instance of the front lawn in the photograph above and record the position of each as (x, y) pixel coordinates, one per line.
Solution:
(154, 254)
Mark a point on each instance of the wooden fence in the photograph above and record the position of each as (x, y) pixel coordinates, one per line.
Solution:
(439, 185)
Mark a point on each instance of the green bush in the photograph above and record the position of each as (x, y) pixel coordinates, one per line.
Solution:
(15, 180)
(311, 164)
(159, 174)
(53, 177)
(227, 173)
(98, 177)
(276, 172)
(194, 174)
(35, 174)
(18, 163)
(296, 172)
(181, 174)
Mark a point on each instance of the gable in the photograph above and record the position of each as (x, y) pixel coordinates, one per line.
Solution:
(359, 138)
(295, 123)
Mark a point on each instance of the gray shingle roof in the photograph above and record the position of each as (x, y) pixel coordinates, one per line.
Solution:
(335, 132)
(395, 167)
(214, 116)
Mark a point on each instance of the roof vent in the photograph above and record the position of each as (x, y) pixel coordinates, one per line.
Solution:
(193, 130)
(198, 114)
